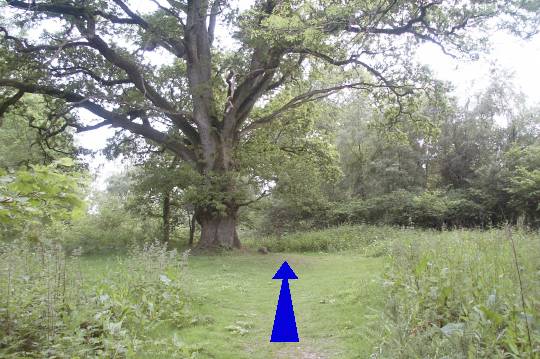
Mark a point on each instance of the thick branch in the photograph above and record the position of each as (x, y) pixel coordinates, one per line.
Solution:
(135, 75)
(9, 102)
(23, 46)
(171, 44)
(95, 126)
(179, 118)
(57, 8)
(214, 11)
(114, 118)
(62, 72)
(299, 100)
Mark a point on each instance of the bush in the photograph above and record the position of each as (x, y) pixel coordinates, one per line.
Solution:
(429, 209)
(52, 307)
(37, 197)
(282, 218)
(465, 210)
(111, 229)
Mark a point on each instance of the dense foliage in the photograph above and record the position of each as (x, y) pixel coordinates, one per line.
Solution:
(463, 294)
(468, 166)
(108, 228)
(159, 73)
(54, 305)
(38, 197)
(40, 182)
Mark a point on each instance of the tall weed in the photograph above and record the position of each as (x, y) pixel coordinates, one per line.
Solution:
(370, 240)
(458, 295)
(53, 305)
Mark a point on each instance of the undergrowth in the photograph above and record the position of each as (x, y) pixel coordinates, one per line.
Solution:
(53, 307)
(448, 294)
(370, 240)
(458, 295)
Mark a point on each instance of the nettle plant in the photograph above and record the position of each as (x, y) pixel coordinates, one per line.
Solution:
(161, 70)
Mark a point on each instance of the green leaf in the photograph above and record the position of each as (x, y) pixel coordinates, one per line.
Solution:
(421, 266)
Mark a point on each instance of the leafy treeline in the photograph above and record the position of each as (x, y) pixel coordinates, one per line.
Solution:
(446, 165)
(475, 165)
(153, 70)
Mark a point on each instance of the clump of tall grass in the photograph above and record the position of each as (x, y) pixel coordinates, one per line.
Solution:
(368, 239)
(463, 294)
(52, 306)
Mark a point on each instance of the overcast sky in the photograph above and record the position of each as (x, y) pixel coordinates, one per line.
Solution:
(519, 57)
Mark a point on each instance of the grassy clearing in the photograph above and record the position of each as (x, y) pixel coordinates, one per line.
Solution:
(222, 306)
(336, 299)
(448, 294)
(362, 292)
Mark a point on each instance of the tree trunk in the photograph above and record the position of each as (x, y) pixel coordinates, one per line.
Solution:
(166, 217)
(192, 224)
(218, 229)
(218, 223)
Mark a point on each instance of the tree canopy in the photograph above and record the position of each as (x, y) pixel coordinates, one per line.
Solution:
(158, 70)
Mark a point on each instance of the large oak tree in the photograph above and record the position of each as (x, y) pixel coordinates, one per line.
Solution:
(203, 100)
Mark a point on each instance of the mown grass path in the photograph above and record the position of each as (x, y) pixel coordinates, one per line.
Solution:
(336, 301)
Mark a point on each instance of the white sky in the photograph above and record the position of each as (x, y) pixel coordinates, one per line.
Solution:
(518, 56)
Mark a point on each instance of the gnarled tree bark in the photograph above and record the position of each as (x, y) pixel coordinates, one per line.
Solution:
(218, 229)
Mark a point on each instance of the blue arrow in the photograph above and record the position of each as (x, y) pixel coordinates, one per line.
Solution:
(284, 323)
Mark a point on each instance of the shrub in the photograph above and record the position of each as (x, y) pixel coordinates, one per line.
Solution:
(39, 196)
(52, 307)
(282, 218)
(464, 210)
(428, 210)
(109, 229)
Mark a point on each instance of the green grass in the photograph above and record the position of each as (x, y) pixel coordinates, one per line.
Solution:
(368, 240)
(335, 299)
(362, 292)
